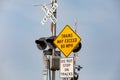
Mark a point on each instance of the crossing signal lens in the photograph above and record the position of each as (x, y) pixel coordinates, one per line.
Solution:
(41, 43)
(78, 47)
(50, 42)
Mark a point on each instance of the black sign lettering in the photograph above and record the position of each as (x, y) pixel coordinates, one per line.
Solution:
(69, 45)
(63, 46)
(66, 69)
(59, 41)
(66, 35)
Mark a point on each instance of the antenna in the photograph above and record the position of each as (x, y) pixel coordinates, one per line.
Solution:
(75, 24)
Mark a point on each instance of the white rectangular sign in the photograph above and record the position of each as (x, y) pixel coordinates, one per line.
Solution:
(66, 67)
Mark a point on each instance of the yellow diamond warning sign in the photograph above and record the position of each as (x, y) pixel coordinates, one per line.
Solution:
(67, 40)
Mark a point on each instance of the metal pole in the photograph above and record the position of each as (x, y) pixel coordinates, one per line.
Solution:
(54, 25)
(53, 34)
(45, 71)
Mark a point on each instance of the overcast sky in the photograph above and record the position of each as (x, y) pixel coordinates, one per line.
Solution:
(98, 25)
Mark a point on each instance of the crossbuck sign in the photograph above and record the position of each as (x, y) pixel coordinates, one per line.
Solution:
(49, 13)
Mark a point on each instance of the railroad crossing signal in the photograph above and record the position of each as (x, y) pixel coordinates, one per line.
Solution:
(49, 13)
(67, 41)
(43, 42)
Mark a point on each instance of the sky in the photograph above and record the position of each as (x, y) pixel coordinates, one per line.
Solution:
(98, 24)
